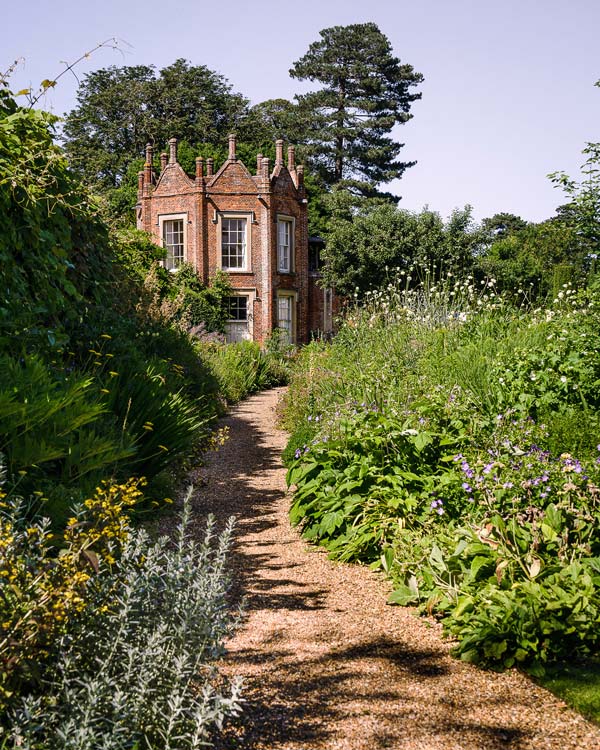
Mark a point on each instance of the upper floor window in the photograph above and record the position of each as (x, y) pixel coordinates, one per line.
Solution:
(285, 245)
(173, 235)
(234, 245)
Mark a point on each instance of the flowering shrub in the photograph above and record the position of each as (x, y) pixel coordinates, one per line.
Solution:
(472, 475)
(128, 662)
(42, 592)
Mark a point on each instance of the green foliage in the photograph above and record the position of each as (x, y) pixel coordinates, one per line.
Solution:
(243, 368)
(502, 224)
(42, 594)
(584, 198)
(536, 259)
(119, 110)
(51, 245)
(132, 663)
(453, 442)
(53, 428)
(366, 92)
(369, 240)
(98, 377)
(356, 487)
(578, 684)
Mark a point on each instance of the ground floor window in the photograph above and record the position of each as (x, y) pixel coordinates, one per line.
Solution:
(285, 315)
(239, 318)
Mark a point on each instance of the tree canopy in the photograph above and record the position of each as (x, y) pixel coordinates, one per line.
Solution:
(369, 239)
(119, 110)
(366, 92)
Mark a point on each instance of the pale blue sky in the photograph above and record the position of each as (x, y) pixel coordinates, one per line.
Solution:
(508, 95)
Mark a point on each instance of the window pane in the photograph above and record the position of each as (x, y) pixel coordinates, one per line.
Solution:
(284, 245)
(284, 315)
(233, 244)
(173, 242)
(238, 308)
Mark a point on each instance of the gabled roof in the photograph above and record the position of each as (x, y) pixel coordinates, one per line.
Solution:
(169, 181)
(281, 180)
(236, 173)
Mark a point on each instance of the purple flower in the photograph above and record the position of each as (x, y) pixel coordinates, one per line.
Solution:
(298, 453)
(488, 467)
(440, 511)
(508, 485)
(467, 487)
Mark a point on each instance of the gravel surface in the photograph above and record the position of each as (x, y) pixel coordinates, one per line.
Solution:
(326, 663)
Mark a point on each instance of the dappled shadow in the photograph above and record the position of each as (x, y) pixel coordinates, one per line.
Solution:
(301, 698)
(311, 695)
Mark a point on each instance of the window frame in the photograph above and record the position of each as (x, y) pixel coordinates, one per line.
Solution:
(293, 298)
(290, 221)
(250, 295)
(163, 220)
(247, 259)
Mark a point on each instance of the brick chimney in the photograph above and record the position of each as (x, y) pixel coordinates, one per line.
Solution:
(232, 156)
(172, 150)
(279, 153)
(163, 162)
(291, 165)
(264, 168)
(148, 165)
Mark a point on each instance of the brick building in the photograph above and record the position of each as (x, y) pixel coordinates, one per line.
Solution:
(252, 226)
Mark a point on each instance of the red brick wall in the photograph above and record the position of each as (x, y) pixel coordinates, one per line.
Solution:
(233, 189)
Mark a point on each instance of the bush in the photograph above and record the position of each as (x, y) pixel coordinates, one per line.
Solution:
(450, 438)
(129, 662)
(242, 368)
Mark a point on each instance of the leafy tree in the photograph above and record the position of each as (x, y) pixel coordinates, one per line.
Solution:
(119, 110)
(270, 120)
(366, 92)
(582, 213)
(535, 260)
(369, 238)
(583, 210)
(502, 224)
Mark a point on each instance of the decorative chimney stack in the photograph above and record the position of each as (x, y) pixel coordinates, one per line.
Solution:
(199, 169)
(148, 165)
(172, 150)
(279, 153)
(259, 158)
(209, 167)
(300, 173)
(291, 165)
(264, 169)
(232, 156)
(163, 162)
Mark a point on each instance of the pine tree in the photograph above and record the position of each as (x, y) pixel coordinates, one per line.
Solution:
(366, 91)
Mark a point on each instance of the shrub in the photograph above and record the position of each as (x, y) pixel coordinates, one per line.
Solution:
(131, 664)
(242, 368)
(450, 438)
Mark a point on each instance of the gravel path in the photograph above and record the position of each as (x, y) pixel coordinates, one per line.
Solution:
(326, 663)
